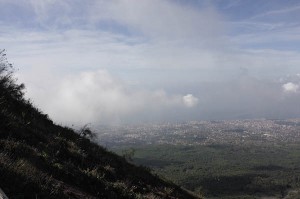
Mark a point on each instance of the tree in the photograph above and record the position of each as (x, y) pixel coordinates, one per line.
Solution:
(86, 131)
(8, 85)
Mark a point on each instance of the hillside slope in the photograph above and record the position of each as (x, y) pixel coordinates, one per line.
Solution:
(39, 159)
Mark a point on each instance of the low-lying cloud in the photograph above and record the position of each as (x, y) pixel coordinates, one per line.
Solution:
(99, 98)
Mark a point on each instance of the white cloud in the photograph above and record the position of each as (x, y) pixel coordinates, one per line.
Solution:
(290, 87)
(97, 97)
(190, 101)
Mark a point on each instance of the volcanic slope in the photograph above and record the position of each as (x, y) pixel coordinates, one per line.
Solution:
(39, 159)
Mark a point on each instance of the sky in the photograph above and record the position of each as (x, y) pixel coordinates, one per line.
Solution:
(135, 61)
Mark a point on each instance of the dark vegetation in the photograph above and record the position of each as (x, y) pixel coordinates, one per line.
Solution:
(39, 159)
(228, 171)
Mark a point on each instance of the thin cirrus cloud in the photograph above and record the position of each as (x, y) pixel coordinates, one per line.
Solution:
(128, 60)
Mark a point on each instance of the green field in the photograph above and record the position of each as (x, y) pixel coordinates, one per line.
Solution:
(227, 171)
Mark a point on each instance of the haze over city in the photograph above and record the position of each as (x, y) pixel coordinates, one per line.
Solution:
(132, 61)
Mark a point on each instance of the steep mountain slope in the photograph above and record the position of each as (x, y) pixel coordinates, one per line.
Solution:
(39, 159)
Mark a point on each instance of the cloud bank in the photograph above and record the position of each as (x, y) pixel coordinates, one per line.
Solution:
(97, 97)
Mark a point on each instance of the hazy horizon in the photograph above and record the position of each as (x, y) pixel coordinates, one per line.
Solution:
(132, 61)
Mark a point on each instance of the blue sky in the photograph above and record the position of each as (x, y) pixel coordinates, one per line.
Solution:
(121, 61)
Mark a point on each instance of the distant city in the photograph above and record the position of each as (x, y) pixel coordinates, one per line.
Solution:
(260, 131)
